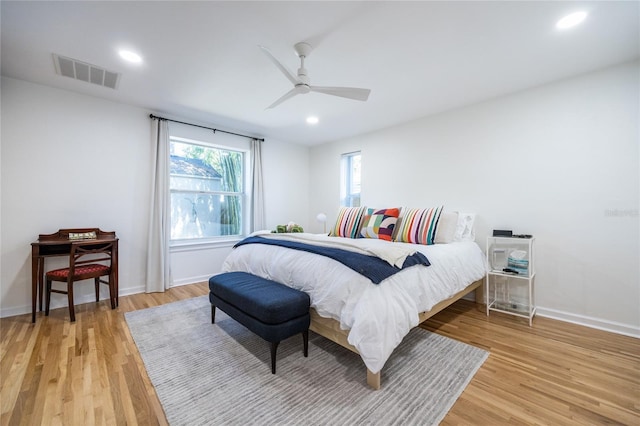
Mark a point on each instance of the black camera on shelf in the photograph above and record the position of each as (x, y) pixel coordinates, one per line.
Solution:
(509, 233)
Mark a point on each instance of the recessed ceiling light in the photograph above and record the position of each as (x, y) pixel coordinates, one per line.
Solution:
(130, 56)
(571, 20)
(312, 120)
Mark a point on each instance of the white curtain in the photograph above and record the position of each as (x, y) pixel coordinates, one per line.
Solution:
(257, 187)
(158, 261)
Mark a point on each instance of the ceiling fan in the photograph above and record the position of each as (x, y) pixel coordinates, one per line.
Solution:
(302, 83)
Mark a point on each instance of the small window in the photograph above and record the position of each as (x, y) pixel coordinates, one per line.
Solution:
(207, 191)
(350, 180)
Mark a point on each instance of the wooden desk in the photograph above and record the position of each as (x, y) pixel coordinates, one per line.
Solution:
(59, 244)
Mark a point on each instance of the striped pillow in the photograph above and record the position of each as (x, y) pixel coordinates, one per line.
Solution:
(380, 224)
(348, 222)
(419, 226)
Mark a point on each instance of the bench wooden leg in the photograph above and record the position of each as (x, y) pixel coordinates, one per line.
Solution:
(213, 314)
(274, 348)
(305, 339)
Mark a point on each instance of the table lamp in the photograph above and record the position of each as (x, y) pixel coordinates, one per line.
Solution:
(322, 218)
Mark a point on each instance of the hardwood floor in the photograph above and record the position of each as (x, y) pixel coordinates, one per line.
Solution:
(552, 373)
(90, 372)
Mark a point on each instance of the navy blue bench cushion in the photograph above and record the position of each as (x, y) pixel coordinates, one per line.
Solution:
(265, 300)
(269, 332)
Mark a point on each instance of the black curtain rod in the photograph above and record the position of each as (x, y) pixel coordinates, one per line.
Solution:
(155, 117)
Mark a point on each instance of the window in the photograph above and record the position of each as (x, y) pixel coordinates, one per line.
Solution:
(207, 191)
(350, 180)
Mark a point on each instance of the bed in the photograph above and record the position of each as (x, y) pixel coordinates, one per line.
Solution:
(347, 307)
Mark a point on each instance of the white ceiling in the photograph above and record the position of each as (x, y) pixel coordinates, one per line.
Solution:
(202, 63)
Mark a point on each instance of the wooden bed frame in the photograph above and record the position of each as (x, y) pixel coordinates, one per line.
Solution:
(330, 328)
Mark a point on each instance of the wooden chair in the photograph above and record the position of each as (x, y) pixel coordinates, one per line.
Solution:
(83, 265)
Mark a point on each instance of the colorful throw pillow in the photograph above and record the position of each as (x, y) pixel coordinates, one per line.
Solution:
(419, 226)
(380, 224)
(348, 222)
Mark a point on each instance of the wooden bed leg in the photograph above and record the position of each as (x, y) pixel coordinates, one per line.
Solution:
(480, 295)
(373, 380)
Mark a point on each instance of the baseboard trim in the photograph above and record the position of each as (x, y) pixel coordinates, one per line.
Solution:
(591, 322)
(586, 321)
(191, 280)
(79, 300)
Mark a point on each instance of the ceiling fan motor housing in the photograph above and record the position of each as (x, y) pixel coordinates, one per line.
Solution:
(302, 88)
(303, 77)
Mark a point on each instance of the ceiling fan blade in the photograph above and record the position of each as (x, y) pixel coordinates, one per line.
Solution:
(344, 92)
(281, 67)
(290, 94)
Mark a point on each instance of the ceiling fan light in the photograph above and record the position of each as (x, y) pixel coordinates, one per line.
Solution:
(571, 20)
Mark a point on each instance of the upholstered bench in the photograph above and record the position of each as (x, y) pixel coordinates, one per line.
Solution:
(271, 310)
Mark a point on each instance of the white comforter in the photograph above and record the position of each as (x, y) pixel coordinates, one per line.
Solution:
(378, 316)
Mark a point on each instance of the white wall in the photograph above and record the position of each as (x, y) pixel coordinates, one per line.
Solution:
(560, 162)
(70, 160)
(286, 176)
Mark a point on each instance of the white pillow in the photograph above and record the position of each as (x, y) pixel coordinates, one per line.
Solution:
(447, 226)
(464, 228)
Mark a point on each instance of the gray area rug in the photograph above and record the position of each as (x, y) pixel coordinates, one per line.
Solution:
(220, 374)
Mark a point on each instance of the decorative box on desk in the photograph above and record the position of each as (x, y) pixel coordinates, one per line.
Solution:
(510, 282)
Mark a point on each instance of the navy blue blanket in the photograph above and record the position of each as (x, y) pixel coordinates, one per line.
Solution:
(372, 267)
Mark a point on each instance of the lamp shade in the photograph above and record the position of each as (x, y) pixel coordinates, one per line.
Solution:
(322, 218)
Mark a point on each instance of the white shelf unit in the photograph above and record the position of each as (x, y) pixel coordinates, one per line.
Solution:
(509, 292)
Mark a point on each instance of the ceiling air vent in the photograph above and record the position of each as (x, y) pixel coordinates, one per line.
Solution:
(86, 72)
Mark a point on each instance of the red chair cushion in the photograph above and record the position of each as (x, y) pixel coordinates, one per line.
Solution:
(92, 269)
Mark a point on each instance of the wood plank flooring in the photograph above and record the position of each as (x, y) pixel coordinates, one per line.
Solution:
(90, 372)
